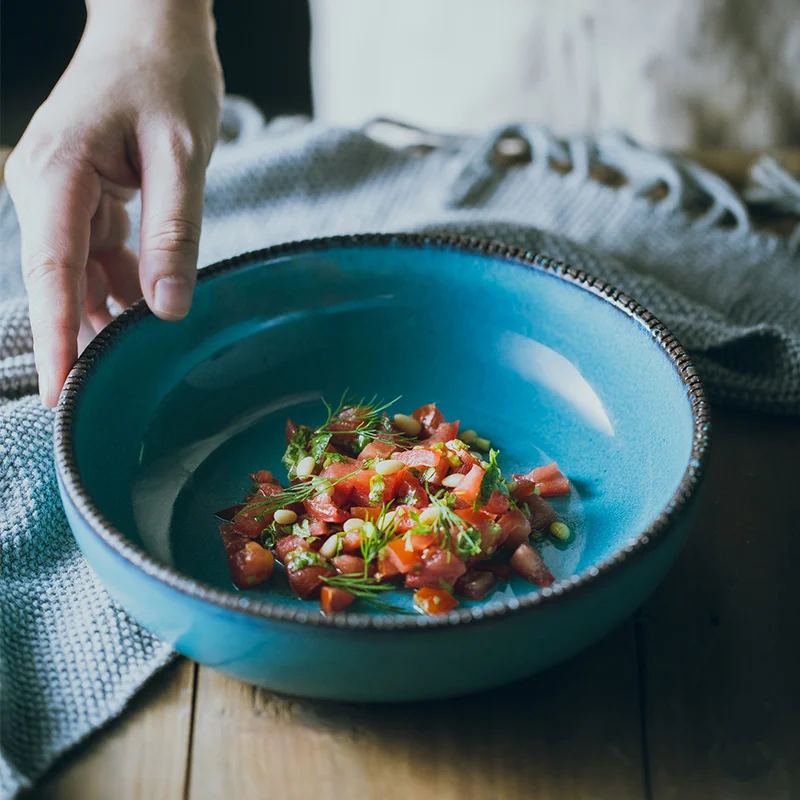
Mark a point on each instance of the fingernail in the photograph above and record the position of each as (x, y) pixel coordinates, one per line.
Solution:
(172, 296)
(46, 390)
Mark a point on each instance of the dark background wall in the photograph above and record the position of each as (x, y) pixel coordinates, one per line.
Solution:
(263, 46)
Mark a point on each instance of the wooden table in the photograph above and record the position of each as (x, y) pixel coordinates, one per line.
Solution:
(696, 697)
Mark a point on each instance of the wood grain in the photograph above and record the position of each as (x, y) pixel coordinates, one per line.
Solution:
(142, 756)
(572, 732)
(722, 660)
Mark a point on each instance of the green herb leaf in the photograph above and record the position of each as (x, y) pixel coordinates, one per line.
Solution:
(492, 482)
(270, 535)
(297, 450)
(318, 443)
(364, 588)
(377, 486)
(299, 559)
(468, 543)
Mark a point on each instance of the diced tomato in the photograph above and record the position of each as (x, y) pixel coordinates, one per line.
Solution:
(318, 528)
(348, 565)
(403, 518)
(498, 504)
(410, 491)
(470, 485)
(442, 433)
(348, 419)
(554, 487)
(340, 469)
(307, 581)
(549, 476)
(548, 472)
(404, 560)
(287, 544)
(376, 449)
(434, 601)
(474, 585)
(367, 513)
(516, 528)
(528, 564)
(478, 519)
(491, 533)
(263, 476)
(468, 461)
(322, 508)
(385, 567)
(430, 417)
(267, 490)
(333, 599)
(251, 522)
(361, 487)
(250, 565)
(542, 514)
(437, 566)
(422, 460)
(291, 429)
(351, 542)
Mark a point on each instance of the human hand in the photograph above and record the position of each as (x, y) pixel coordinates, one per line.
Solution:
(137, 108)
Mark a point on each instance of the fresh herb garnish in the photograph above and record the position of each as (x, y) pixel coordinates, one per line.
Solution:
(377, 486)
(270, 535)
(364, 588)
(468, 543)
(303, 530)
(296, 493)
(297, 450)
(299, 559)
(492, 482)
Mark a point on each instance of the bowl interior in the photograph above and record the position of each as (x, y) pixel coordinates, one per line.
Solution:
(174, 417)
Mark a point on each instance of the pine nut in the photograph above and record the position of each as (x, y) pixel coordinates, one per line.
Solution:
(389, 467)
(408, 425)
(560, 531)
(285, 516)
(329, 546)
(306, 467)
(353, 524)
(451, 481)
(387, 519)
(428, 516)
(482, 444)
(468, 436)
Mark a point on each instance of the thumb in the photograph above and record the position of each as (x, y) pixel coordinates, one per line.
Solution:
(173, 177)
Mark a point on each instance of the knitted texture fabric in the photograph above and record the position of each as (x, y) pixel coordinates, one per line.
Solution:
(70, 659)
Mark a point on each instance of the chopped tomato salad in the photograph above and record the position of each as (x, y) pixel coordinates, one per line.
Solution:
(375, 502)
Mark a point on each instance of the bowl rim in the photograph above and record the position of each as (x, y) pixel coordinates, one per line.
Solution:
(636, 546)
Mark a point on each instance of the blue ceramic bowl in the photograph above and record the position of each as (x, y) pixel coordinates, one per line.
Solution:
(159, 425)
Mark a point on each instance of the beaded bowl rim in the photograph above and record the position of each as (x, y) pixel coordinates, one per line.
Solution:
(76, 492)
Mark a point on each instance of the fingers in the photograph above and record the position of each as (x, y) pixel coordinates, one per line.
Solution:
(122, 272)
(55, 210)
(96, 303)
(173, 175)
(110, 225)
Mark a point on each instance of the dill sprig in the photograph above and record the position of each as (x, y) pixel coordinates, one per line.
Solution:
(372, 424)
(296, 493)
(364, 588)
(375, 536)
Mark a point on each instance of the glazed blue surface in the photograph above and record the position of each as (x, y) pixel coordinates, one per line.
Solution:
(545, 369)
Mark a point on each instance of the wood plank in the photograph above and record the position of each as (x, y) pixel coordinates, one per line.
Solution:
(573, 732)
(141, 756)
(720, 644)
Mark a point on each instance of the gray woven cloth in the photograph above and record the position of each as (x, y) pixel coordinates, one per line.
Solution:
(69, 658)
